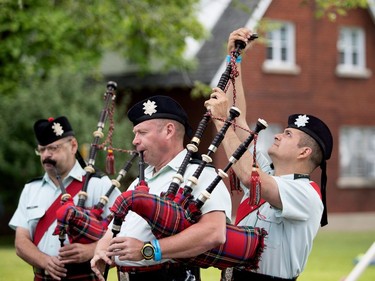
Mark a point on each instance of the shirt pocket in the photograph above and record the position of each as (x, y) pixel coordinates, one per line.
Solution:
(273, 225)
(35, 214)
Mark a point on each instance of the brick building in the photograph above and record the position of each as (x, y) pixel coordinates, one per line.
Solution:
(307, 65)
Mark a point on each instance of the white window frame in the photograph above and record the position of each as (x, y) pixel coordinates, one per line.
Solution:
(277, 64)
(352, 42)
(357, 157)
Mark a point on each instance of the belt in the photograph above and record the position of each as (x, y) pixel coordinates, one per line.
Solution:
(39, 271)
(138, 269)
(249, 275)
(161, 272)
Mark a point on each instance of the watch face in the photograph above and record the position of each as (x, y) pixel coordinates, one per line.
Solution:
(148, 251)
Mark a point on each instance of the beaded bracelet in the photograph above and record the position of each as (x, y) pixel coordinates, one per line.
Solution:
(157, 256)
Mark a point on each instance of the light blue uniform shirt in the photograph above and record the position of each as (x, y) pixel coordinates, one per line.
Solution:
(135, 226)
(291, 230)
(38, 195)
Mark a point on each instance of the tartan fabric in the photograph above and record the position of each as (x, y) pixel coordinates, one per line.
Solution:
(81, 225)
(242, 248)
(243, 245)
(165, 217)
(180, 198)
(192, 212)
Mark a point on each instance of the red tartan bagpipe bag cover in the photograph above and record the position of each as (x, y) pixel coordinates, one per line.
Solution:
(244, 244)
(80, 224)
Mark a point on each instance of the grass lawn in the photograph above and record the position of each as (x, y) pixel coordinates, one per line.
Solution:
(331, 259)
(333, 255)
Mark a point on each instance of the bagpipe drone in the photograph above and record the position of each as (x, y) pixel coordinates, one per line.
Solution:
(176, 209)
(80, 223)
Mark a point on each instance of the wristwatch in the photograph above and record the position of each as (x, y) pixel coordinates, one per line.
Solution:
(148, 251)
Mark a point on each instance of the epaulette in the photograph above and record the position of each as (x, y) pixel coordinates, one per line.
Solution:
(35, 179)
(98, 173)
(198, 161)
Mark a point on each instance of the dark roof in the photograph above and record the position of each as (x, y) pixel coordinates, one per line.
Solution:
(209, 57)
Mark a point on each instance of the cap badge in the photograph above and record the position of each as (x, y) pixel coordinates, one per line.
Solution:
(301, 121)
(57, 129)
(149, 107)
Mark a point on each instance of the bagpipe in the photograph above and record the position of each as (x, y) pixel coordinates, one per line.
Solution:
(177, 209)
(85, 224)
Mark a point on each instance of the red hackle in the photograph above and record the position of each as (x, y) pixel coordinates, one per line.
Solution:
(255, 184)
(234, 182)
(110, 163)
(254, 187)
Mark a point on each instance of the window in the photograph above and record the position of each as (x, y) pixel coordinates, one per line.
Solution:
(357, 156)
(351, 53)
(280, 54)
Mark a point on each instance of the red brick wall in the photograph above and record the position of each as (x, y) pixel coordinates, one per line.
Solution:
(316, 90)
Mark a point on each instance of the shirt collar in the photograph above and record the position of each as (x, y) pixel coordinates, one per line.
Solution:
(75, 173)
(174, 164)
(293, 177)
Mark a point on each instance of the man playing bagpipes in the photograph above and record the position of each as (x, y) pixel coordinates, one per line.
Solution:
(35, 217)
(292, 207)
(160, 125)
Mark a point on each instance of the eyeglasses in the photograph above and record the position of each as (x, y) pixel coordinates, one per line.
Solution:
(50, 148)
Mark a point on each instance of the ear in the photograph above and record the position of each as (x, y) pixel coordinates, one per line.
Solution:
(74, 145)
(304, 152)
(170, 127)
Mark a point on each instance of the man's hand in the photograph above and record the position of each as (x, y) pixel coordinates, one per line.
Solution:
(76, 252)
(99, 262)
(55, 268)
(218, 106)
(242, 34)
(126, 248)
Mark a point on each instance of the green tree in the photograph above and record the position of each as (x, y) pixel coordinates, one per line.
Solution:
(68, 94)
(333, 8)
(49, 57)
(38, 35)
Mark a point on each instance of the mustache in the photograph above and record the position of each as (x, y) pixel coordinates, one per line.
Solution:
(49, 161)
